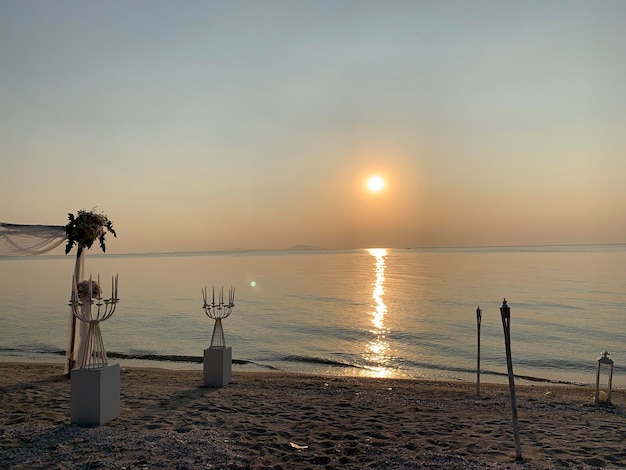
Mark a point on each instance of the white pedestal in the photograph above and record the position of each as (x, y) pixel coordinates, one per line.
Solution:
(218, 367)
(95, 395)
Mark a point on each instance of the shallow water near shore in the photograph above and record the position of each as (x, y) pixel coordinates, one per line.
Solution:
(377, 313)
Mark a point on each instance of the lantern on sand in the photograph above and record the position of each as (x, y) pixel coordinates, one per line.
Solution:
(601, 395)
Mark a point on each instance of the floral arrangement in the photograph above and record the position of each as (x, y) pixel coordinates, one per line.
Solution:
(84, 290)
(85, 228)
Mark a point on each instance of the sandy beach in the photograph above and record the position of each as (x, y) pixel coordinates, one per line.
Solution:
(275, 420)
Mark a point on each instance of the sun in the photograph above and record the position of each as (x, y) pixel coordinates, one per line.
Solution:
(375, 184)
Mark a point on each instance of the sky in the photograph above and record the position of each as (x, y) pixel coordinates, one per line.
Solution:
(214, 125)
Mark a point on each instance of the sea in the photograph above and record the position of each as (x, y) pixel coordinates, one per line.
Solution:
(392, 313)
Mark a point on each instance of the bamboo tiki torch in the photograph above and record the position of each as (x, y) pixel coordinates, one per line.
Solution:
(479, 317)
(505, 312)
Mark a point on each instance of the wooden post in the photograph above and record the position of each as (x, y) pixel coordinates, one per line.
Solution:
(505, 312)
(479, 317)
(78, 273)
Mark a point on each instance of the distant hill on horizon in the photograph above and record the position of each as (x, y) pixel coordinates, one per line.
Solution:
(306, 248)
(291, 248)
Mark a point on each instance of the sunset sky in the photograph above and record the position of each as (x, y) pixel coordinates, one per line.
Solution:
(210, 125)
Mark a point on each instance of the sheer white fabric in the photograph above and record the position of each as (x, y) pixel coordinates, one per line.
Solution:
(29, 240)
(77, 330)
(25, 240)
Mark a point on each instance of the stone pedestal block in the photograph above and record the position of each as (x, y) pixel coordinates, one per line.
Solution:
(218, 366)
(95, 395)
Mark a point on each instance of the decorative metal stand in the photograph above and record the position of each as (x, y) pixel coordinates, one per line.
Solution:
(95, 390)
(218, 358)
(94, 354)
(218, 311)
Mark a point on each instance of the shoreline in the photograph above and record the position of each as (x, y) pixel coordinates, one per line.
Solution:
(191, 363)
(286, 420)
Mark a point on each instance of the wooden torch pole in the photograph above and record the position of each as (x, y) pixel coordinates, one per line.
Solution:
(505, 312)
(479, 317)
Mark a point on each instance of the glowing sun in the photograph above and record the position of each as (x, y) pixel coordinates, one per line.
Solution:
(375, 184)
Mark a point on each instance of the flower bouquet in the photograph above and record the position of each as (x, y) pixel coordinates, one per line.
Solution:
(85, 228)
(88, 290)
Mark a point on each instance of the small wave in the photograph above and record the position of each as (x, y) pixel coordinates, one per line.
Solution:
(157, 357)
(291, 358)
(531, 378)
(179, 358)
(319, 360)
(33, 350)
(464, 370)
(135, 356)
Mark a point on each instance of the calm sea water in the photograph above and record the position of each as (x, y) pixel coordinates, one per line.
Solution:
(379, 313)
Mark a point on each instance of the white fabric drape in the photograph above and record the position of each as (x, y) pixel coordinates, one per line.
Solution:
(29, 240)
(24, 240)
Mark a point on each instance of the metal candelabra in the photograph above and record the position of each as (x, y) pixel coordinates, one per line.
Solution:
(218, 311)
(89, 307)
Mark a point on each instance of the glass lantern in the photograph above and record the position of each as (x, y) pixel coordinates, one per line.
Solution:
(602, 396)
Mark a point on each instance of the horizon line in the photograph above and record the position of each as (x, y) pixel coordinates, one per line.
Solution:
(313, 248)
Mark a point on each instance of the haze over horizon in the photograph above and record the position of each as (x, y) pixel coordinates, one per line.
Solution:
(211, 125)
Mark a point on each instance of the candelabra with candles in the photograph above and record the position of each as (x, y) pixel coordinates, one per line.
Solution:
(89, 307)
(218, 311)
(95, 390)
(218, 357)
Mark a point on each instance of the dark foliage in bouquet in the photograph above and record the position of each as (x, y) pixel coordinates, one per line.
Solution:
(85, 228)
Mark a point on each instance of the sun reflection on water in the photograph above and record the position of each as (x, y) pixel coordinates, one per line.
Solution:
(377, 352)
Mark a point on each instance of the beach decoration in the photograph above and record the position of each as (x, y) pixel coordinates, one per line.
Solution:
(479, 317)
(218, 311)
(89, 307)
(601, 396)
(95, 388)
(218, 358)
(505, 312)
(82, 230)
